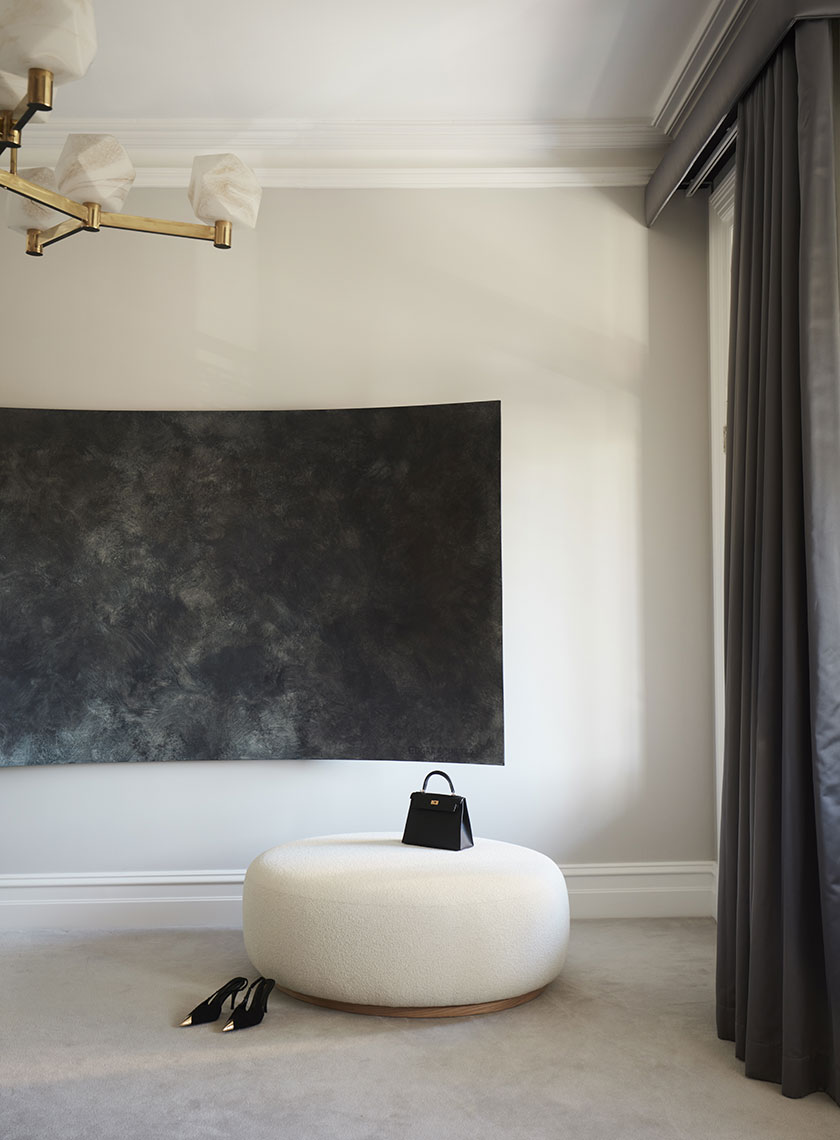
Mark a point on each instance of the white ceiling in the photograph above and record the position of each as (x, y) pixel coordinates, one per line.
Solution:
(327, 60)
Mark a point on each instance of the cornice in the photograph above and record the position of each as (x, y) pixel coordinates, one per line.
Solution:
(378, 153)
(418, 178)
(511, 136)
(687, 83)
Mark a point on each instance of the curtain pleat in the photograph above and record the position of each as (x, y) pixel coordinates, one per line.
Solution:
(819, 76)
(776, 979)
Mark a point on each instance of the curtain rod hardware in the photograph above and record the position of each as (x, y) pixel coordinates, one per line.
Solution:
(715, 158)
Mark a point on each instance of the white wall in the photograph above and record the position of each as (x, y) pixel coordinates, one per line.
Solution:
(591, 330)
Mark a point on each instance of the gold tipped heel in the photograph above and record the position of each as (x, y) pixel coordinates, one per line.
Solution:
(211, 1008)
(243, 1016)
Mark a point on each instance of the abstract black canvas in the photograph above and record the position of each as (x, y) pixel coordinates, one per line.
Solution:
(251, 585)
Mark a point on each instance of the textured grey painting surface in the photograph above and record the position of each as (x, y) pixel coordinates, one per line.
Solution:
(250, 585)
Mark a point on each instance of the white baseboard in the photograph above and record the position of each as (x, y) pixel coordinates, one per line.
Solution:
(170, 899)
(642, 890)
(120, 901)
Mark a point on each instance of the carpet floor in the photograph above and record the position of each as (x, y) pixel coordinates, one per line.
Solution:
(621, 1047)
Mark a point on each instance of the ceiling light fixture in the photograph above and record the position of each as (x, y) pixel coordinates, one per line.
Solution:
(47, 42)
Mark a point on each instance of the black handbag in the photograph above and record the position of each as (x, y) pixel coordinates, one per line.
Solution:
(437, 820)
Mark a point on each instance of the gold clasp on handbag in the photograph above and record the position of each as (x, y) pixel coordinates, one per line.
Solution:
(434, 803)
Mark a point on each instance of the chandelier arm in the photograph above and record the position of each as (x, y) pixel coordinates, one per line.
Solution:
(9, 134)
(36, 193)
(22, 118)
(21, 109)
(51, 236)
(158, 226)
(38, 97)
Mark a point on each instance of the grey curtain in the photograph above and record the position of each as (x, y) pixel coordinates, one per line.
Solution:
(778, 980)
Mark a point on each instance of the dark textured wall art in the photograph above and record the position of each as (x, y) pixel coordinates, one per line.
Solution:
(251, 585)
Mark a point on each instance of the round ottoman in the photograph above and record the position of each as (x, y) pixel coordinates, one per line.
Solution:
(368, 924)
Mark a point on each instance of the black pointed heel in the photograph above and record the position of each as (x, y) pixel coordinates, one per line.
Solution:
(243, 1016)
(210, 1009)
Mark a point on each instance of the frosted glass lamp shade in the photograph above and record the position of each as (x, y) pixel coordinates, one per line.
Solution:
(23, 215)
(224, 189)
(95, 168)
(59, 35)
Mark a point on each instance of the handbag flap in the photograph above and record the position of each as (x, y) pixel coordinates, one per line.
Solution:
(428, 801)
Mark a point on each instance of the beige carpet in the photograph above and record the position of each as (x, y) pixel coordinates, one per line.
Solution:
(621, 1047)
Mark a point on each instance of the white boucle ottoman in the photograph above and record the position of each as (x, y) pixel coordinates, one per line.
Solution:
(368, 924)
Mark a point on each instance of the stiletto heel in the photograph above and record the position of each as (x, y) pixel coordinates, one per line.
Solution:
(211, 1008)
(243, 1016)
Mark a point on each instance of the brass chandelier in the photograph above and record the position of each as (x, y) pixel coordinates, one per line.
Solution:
(47, 42)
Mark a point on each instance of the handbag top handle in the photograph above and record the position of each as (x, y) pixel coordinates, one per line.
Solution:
(439, 773)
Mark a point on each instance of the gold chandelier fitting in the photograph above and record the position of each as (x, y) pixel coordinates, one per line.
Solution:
(223, 190)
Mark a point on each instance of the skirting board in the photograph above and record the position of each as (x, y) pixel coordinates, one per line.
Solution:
(642, 890)
(169, 899)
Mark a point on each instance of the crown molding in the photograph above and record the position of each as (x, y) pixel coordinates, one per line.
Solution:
(363, 154)
(365, 135)
(715, 36)
(417, 178)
